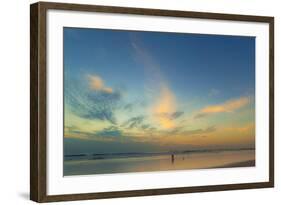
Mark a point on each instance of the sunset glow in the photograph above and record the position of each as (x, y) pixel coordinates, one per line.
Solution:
(127, 91)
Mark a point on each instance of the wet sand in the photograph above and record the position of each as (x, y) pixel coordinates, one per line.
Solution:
(165, 162)
(248, 163)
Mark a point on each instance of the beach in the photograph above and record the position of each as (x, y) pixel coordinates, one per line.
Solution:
(149, 162)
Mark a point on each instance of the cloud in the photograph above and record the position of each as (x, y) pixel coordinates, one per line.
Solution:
(109, 132)
(134, 122)
(163, 97)
(226, 107)
(145, 126)
(97, 105)
(139, 123)
(200, 115)
(96, 83)
(173, 115)
(200, 131)
(74, 132)
(175, 130)
(246, 128)
(164, 107)
(129, 107)
(177, 114)
(180, 131)
(102, 106)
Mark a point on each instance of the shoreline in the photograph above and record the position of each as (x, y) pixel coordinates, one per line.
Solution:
(248, 163)
(127, 164)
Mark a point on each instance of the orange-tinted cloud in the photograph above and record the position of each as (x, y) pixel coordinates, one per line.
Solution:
(213, 137)
(96, 83)
(247, 128)
(164, 106)
(228, 106)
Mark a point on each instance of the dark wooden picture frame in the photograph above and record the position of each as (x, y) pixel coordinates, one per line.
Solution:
(38, 101)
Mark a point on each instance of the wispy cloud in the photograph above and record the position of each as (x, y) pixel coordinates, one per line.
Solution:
(134, 122)
(226, 107)
(93, 102)
(246, 128)
(163, 108)
(177, 114)
(96, 83)
(181, 131)
(171, 115)
(199, 131)
(129, 107)
(109, 132)
(135, 104)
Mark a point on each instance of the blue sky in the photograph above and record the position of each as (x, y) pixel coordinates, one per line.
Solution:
(163, 82)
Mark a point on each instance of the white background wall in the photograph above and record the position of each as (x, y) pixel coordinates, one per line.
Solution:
(14, 101)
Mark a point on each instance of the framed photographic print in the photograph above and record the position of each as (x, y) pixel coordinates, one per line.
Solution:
(134, 102)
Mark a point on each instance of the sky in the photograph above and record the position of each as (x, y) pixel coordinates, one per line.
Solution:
(137, 91)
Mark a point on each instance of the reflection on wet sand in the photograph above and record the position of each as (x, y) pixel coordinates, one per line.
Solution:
(183, 161)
